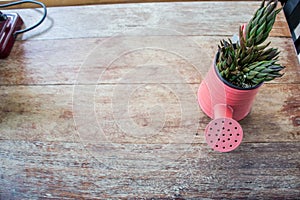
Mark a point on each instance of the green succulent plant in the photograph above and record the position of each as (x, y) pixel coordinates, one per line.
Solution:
(249, 62)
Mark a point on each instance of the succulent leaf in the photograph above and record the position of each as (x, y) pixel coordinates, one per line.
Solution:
(250, 62)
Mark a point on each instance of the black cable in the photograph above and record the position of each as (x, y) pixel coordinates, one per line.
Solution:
(27, 1)
(3, 17)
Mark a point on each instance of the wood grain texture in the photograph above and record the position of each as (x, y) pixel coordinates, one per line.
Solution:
(194, 18)
(100, 103)
(137, 113)
(91, 2)
(86, 61)
(69, 170)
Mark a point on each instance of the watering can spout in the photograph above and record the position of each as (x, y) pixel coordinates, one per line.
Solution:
(222, 111)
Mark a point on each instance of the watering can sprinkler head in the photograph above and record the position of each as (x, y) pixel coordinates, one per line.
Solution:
(223, 133)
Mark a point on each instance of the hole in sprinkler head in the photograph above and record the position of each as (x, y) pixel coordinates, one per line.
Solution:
(223, 122)
(228, 139)
(230, 134)
(216, 145)
(223, 140)
(238, 134)
(235, 128)
(209, 135)
(216, 123)
(235, 141)
(230, 145)
(211, 141)
(218, 130)
(210, 128)
(219, 139)
(223, 134)
(228, 130)
(224, 147)
(230, 123)
(223, 128)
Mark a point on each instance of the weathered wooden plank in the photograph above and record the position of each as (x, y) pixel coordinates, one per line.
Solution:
(136, 113)
(172, 59)
(92, 2)
(33, 113)
(84, 115)
(192, 18)
(69, 170)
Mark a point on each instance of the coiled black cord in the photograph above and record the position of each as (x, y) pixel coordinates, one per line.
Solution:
(32, 2)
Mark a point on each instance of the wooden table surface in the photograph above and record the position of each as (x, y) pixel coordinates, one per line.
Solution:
(100, 102)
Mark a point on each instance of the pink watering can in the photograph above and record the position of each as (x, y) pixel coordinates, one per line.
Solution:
(225, 104)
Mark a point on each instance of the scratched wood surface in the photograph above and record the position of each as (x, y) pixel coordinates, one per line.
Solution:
(107, 108)
(92, 2)
(146, 19)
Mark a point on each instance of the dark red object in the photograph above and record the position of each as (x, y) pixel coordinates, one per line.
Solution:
(9, 24)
